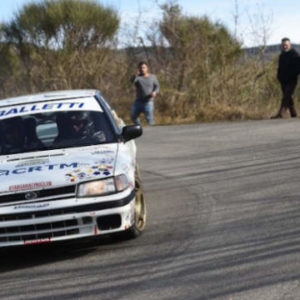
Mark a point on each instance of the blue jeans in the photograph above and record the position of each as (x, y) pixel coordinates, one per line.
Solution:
(142, 107)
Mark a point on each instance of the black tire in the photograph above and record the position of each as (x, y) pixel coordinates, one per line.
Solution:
(139, 210)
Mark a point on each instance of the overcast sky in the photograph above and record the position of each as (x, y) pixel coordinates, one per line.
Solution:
(279, 18)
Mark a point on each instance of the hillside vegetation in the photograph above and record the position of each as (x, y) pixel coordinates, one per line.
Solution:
(204, 73)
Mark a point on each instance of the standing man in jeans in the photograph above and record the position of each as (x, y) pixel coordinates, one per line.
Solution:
(288, 70)
(147, 88)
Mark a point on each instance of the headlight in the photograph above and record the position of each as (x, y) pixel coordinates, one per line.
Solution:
(103, 186)
(121, 182)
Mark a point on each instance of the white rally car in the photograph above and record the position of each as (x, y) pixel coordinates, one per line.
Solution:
(67, 169)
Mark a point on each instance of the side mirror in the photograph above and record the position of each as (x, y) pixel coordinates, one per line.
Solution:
(131, 132)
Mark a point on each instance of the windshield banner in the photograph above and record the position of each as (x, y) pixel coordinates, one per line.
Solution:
(88, 104)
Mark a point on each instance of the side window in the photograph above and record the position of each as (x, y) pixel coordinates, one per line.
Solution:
(116, 122)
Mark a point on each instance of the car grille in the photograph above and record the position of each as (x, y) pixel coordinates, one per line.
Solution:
(43, 231)
(67, 210)
(41, 195)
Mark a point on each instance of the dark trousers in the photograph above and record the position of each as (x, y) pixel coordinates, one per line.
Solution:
(288, 89)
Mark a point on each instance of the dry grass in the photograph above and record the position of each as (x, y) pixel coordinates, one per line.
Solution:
(203, 72)
(242, 91)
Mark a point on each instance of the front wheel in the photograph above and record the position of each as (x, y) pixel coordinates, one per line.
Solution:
(139, 210)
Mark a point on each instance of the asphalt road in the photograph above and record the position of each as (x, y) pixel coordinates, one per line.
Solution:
(223, 223)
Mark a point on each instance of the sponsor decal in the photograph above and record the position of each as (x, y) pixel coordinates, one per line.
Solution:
(32, 162)
(88, 172)
(40, 107)
(30, 186)
(60, 105)
(126, 168)
(101, 152)
(106, 160)
(40, 241)
(95, 230)
(40, 168)
(31, 206)
(76, 172)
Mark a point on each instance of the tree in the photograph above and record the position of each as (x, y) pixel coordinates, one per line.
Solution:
(63, 24)
(61, 37)
(197, 58)
(196, 44)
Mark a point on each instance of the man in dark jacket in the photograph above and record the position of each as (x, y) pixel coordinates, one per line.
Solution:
(288, 70)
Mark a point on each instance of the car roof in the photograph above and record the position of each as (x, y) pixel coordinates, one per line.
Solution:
(55, 95)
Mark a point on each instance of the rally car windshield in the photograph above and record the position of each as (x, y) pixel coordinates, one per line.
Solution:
(53, 130)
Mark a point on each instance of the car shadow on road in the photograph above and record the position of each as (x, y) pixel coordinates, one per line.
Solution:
(16, 258)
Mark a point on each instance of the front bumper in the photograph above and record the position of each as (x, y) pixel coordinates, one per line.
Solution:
(46, 222)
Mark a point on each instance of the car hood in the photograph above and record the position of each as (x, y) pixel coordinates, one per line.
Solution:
(57, 168)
